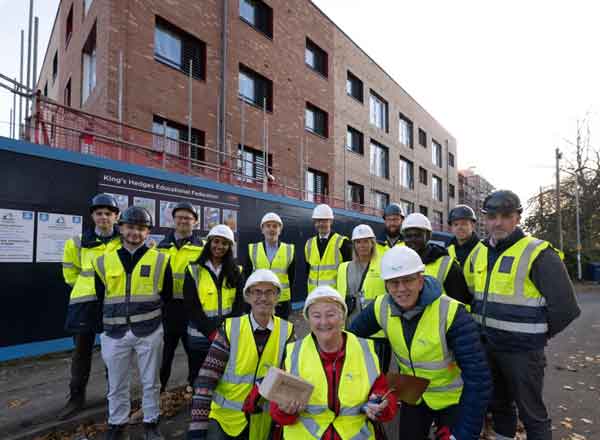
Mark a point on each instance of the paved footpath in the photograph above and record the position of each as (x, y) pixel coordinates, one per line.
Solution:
(33, 391)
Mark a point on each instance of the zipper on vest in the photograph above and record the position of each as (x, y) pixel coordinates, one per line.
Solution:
(127, 296)
(485, 296)
(335, 393)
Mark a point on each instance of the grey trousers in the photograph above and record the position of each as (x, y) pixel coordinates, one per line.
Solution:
(519, 383)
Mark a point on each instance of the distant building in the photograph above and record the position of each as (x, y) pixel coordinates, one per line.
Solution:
(472, 190)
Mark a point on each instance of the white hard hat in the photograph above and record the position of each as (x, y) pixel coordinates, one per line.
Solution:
(223, 231)
(322, 212)
(416, 220)
(262, 276)
(362, 231)
(324, 292)
(271, 217)
(400, 261)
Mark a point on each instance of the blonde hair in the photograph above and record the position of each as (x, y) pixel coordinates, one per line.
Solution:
(373, 249)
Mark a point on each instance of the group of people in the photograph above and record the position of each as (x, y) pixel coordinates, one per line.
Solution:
(472, 319)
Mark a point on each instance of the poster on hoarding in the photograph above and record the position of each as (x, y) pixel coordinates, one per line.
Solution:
(148, 204)
(52, 232)
(16, 236)
(212, 217)
(230, 219)
(166, 214)
(122, 200)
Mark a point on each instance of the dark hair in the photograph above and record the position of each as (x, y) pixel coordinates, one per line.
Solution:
(230, 269)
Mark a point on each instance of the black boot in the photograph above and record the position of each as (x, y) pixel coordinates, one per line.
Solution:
(75, 404)
(117, 432)
(151, 431)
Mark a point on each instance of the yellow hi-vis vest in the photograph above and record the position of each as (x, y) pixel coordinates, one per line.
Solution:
(244, 368)
(132, 299)
(452, 251)
(323, 270)
(78, 269)
(215, 302)
(359, 372)
(514, 304)
(372, 286)
(428, 356)
(180, 258)
(382, 248)
(439, 269)
(280, 264)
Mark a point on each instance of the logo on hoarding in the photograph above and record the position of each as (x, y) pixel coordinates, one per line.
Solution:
(44, 217)
(60, 220)
(27, 215)
(76, 219)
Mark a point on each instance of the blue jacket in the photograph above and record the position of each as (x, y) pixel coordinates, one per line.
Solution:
(463, 340)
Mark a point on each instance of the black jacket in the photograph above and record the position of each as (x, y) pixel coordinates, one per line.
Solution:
(463, 251)
(455, 284)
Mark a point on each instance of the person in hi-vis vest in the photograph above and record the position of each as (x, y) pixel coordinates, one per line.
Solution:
(84, 314)
(133, 283)
(276, 256)
(212, 291)
(183, 246)
(462, 221)
(226, 403)
(438, 264)
(393, 216)
(432, 337)
(325, 251)
(350, 392)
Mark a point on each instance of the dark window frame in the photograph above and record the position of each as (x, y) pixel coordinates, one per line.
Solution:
(386, 108)
(192, 49)
(451, 159)
(69, 25)
(258, 162)
(318, 54)
(424, 210)
(68, 93)
(385, 195)
(318, 196)
(198, 137)
(411, 171)
(324, 118)
(422, 138)
(436, 148)
(356, 134)
(410, 124)
(55, 67)
(265, 14)
(352, 79)
(451, 191)
(439, 197)
(387, 159)
(423, 176)
(360, 191)
(265, 83)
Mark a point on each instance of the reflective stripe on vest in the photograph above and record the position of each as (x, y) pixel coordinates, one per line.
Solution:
(428, 343)
(245, 367)
(359, 371)
(323, 274)
(215, 302)
(505, 298)
(279, 265)
(439, 268)
(179, 260)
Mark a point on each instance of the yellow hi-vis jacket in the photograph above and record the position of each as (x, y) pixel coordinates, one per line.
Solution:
(280, 264)
(359, 372)
(505, 298)
(439, 269)
(244, 368)
(179, 260)
(428, 356)
(452, 252)
(383, 246)
(323, 270)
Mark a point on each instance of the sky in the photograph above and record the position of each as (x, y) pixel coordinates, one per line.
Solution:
(509, 79)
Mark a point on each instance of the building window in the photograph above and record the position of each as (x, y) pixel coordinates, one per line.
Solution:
(88, 80)
(407, 207)
(86, 6)
(67, 93)
(406, 131)
(422, 138)
(380, 160)
(423, 176)
(355, 193)
(436, 153)
(178, 49)
(257, 14)
(354, 87)
(436, 188)
(438, 220)
(379, 111)
(354, 140)
(315, 58)
(424, 210)
(316, 120)
(176, 142)
(255, 88)
(316, 185)
(407, 173)
(381, 199)
(252, 163)
(54, 67)
(451, 159)
(46, 89)
(69, 26)
(451, 191)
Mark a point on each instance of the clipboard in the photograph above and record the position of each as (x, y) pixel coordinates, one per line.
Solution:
(407, 388)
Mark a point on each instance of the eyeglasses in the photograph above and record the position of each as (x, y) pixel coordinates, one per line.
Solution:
(404, 281)
(265, 293)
